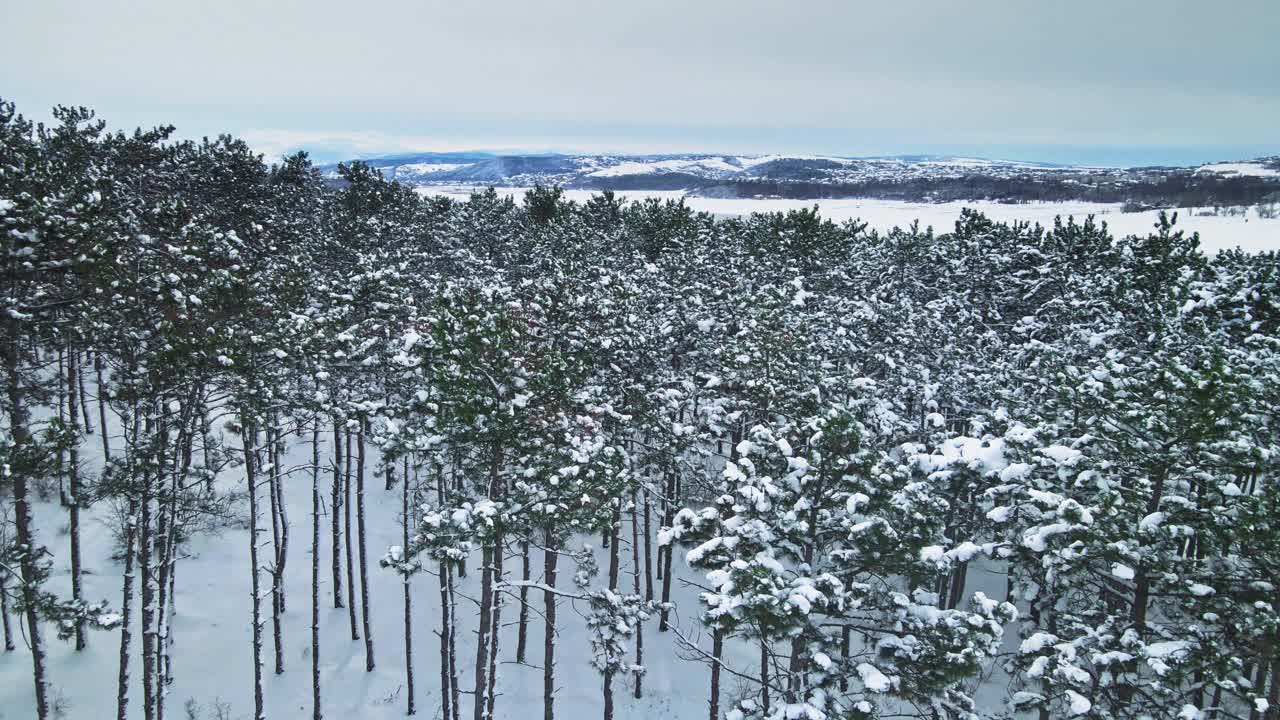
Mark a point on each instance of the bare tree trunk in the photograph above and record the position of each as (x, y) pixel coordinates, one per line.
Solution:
(717, 650)
(126, 610)
(846, 638)
(615, 521)
(447, 678)
(615, 524)
(335, 508)
(84, 401)
(408, 598)
(635, 576)
(648, 549)
(499, 549)
(522, 630)
(667, 516)
(282, 510)
(317, 712)
(550, 557)
(277, 599)
(146, 545)
(249, 438)
(4, 612)
(351, 568)
(454, 687)
(364, 564)
(482, 638)
(73, 480)
(608, 695)
(102, 409)
(764, 676)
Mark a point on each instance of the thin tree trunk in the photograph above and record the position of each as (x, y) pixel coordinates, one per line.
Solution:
(522, 630)
(364, 564)
(635, 575)
(249, 440)
(608, 695)
(102, 409)
(317, 712)
(764, 677)
(499, 549)
(454, 687)
(126, 610)
(73, 480)
(668, 505)
(648, 549)
(846, 641)
(146, 544)
(615, 525)
(482, 638)
(550, 557)
(717, 650)
(277, 599)
(282, 559)
(408, 598)
(351, 566)
(4, 612)
(447, 681)
(84, 402)
(335, 512)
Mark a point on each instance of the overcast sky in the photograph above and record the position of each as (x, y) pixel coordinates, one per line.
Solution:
(1103, 81)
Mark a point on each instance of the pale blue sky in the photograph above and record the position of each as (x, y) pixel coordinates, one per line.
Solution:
(1101, 81)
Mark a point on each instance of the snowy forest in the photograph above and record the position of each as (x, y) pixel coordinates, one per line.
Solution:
(606, 459)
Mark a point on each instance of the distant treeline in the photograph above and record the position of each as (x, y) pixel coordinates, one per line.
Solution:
(1179, 188)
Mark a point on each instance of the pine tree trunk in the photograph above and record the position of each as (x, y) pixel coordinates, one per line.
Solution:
(454, 687)
(351, 563)
(846, 642)
(608, 694)
(764, 677)
(482, 637)
(277, 599)
(648, 548)
(4, 612)
(408, 598)
(282, 510)
(126, 610)
(446, 691)
(249, 439)
(667, 517)
(495, 634)
(160, 571)
(102, 409)
(522, 629)
(717, 650)
(615, 524)
(364, 563)
(317, 712)
(635, 576)
(146, 544)
(73, 479)
(84, 402)
(446, 627)
(335, 512)
(550, 558)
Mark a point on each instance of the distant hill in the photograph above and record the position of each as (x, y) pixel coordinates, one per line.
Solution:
(903, 177)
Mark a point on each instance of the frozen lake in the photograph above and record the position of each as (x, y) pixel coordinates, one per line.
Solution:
(1250, 232)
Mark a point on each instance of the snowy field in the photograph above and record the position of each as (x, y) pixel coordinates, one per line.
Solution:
(1249, 232)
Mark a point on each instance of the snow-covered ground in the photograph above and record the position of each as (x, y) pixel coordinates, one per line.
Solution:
(1217, 232)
